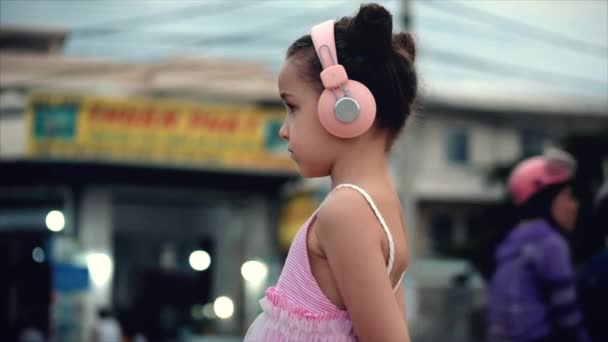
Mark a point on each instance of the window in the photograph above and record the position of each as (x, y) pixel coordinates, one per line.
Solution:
(441, 233)
(531, 143)
(457, 148)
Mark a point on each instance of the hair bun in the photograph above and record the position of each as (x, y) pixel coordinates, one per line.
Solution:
(405, 41)
(371, 32)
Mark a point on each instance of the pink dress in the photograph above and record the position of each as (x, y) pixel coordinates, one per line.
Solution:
(296, 309)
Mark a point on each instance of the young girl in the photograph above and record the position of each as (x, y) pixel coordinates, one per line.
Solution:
(532, 297)
(348, 88)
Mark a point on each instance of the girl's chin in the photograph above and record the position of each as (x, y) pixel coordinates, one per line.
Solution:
(308, 173)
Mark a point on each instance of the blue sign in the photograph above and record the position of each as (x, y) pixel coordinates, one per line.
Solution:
(67, 277)
(55, 120)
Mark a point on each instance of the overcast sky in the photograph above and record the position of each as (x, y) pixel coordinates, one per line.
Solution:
(547, 48)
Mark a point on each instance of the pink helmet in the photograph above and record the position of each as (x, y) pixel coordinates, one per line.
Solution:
(537, 173)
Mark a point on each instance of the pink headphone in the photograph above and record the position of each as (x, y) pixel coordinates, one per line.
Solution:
(346, 108)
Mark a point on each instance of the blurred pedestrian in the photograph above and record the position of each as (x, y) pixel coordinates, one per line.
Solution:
(532, 294)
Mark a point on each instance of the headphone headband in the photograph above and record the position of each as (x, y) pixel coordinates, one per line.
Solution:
(325, 45)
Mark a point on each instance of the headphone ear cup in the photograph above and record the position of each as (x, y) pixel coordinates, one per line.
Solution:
(365, 119)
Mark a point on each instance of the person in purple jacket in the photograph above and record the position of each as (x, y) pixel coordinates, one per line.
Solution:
(532, 296)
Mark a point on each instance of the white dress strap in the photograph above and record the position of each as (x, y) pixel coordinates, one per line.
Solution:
(399, 282)
(389, 236)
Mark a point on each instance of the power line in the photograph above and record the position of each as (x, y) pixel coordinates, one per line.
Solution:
(440, 68)
(128, 24)
(446, 57)
(479, 64)
(455, 30)
(443, 56)
(265, 30)
(518, 27)
(259, 32)
(269, 29)
(452, 59)
(460, 11)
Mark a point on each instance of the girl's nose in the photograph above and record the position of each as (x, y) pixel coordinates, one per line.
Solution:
(284, 132)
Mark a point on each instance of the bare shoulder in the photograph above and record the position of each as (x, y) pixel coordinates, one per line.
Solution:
(346, 214)
(347, 219)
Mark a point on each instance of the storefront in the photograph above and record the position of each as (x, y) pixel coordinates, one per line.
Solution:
(170, 211)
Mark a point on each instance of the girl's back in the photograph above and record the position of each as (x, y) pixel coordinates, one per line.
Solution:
(306, 304)
(359, 210)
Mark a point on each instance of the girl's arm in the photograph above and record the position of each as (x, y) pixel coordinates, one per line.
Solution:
(351, 238)
(400, 295)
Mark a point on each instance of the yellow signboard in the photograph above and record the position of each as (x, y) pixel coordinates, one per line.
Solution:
(296, 210)
(157, 132)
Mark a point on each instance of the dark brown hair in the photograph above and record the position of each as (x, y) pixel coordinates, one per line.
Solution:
(374, 56)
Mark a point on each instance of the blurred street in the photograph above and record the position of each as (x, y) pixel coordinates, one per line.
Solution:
(143, 183)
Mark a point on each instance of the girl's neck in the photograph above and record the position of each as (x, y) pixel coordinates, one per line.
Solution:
(364, 164)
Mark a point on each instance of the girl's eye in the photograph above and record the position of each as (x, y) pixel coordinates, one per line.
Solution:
(290, 108)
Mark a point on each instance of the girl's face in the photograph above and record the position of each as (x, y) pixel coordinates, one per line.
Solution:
(565, 209)
(311, 146)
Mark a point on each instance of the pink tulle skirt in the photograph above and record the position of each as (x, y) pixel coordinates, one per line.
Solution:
(281, 321)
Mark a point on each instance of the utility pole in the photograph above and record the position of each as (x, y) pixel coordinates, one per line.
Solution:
(405, 161)
(406, 158)
(406, 14)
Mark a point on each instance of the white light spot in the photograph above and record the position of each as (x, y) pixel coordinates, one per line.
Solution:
(55, 220)
(100, 267)
(223, 307)
(200, 260)
(254, 271)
